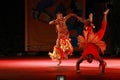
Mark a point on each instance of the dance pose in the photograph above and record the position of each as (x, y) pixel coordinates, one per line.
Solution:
(63, 46)
(91, 42)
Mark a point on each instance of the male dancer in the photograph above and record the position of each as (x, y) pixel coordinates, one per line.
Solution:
(91, 43)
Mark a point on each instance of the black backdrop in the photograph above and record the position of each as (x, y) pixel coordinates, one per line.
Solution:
(12, 26)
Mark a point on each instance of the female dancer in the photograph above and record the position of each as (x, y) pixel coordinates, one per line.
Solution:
(91, 42)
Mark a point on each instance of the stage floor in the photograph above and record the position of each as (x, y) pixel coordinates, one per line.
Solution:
(46, 69)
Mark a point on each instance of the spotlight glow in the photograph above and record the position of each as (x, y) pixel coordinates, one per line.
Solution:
(34, 63)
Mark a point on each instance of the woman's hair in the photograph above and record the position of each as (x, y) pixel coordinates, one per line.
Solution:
(58, 13)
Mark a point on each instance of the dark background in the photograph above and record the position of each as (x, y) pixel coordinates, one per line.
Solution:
(12, 24)
(11, 27)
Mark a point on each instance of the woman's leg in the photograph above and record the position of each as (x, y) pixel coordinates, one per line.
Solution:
(78, 64)
(102, 64)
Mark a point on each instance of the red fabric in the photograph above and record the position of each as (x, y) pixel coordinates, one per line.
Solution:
(101, 32)
(61, 53)
(89, 29)
(91, 49)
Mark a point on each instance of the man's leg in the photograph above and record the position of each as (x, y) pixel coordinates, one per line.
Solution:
(78, 63)
(105, 15)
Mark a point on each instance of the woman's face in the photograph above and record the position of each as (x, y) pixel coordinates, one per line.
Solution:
(59, 16)
(89, 58)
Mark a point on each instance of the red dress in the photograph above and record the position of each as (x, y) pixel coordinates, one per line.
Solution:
(62, 51)
(91, 41)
